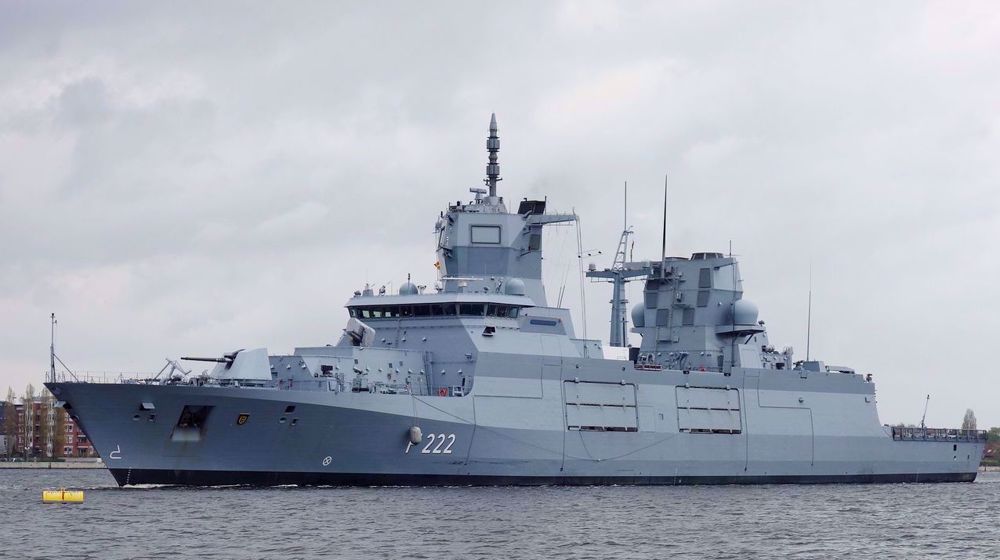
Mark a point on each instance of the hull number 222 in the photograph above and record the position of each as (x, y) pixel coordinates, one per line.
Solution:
(436, 444)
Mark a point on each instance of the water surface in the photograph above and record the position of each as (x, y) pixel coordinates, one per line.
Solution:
(957, 520)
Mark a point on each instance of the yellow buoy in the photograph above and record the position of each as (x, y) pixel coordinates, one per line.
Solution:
(62, 496)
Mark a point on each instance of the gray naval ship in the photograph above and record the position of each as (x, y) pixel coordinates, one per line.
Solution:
(479, 380)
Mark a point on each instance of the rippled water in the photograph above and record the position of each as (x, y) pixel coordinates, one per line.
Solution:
(848, 521)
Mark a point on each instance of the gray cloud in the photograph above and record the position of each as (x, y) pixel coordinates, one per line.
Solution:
(192, 178)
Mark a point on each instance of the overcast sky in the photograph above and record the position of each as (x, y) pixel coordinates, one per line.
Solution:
(182, 179)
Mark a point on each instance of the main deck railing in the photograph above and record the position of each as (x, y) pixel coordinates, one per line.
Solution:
(102, 377)
(902, 433)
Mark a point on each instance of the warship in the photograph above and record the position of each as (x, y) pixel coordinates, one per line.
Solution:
(479, 381)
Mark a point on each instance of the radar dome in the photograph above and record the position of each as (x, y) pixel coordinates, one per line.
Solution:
(744, 313)
(514, 287)
(408, 289)
(639, 315)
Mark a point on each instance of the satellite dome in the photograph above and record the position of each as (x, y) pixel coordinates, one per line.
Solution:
(514, 287)
(408, 289)
(639, 315)
(744, 313)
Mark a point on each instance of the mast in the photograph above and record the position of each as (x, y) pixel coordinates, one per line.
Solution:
(52, 348)
(620, 273)
(663, 243)
(809, 312)
(493, 168)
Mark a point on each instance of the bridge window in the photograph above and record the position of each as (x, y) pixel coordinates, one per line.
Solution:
(436, 310)
(444, 309)
(499, 310)
(472, 309)
(486, 234)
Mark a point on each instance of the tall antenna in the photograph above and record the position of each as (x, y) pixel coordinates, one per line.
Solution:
(493, 147)
(924, 417)
(663, 244)
(625, 208)
(579, 262)
(809, 312)
(52, 349)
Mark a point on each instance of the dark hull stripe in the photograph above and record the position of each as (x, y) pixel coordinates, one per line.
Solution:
(265, 478)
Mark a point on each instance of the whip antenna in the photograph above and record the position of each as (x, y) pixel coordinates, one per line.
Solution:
(809, 311)
(663, 244)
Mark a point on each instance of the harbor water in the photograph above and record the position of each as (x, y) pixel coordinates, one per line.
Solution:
(957, 520)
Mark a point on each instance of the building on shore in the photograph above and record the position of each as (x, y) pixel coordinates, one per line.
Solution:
(76, 443)
(41, 430)
(3, 429)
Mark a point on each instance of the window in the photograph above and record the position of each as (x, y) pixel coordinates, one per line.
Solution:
(650, 299)
(688, 318)
(703, 298)
(705, 278)
(534, 242)
(449, 309)
(471, 309)
(436, 310)
(500, 310)
(662, 317)
(486, 234)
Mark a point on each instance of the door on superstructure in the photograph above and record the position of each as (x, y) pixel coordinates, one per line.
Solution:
(780, 430)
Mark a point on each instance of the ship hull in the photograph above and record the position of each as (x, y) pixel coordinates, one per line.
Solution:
(261, 436)
(281, 478)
